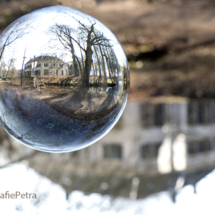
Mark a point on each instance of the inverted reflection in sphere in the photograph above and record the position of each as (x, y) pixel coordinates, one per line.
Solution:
(64, 79)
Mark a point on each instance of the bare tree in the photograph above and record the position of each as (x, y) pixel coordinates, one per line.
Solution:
(23, 64)
(98, 61)
(3, 69)
(10, 65)
(90, 36)
(11, 37)
(63, 34)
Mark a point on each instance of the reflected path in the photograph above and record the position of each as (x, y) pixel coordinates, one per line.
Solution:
(64, 120)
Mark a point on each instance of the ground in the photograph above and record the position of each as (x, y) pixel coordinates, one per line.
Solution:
(73, 102)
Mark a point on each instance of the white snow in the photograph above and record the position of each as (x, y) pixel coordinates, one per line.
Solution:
(51, 198)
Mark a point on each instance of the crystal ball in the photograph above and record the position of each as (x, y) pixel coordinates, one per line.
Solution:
(64, 79)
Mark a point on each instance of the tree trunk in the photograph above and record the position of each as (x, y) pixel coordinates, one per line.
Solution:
(76, 68)
(103, 64)
(94, 72)
(2, 51)
(110, 64)
(82, 61)
(98, 62)
(23, 64)
(76, 72)
(8, 70)
(87, 68)
(79, 64)
(88, 61)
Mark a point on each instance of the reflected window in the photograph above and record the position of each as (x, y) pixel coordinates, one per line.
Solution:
(46, 64)
(147, 116)
(27, 73)
(201, 146)
(205, 145)
(46, 72)
(152, 115)
(113, 151)
(200, 112)
(37, 72)
(61, 72)
(28, 67)
(150, 150)
(159, 114)
(193, 147)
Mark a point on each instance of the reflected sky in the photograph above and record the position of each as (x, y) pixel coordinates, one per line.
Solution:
(38, 40)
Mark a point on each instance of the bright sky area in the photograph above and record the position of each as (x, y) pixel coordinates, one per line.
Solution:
(39, 40)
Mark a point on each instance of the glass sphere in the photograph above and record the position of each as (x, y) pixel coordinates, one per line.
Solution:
(64, 79)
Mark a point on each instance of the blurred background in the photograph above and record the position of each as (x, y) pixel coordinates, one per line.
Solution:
(160, 156)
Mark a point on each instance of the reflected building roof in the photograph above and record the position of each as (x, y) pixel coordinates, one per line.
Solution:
(45, 58)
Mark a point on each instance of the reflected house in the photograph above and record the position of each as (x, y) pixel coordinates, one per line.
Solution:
(45, 65)
(166, 142)
(163, 137)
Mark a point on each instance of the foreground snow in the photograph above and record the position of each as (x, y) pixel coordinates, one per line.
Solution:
(51, 198)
